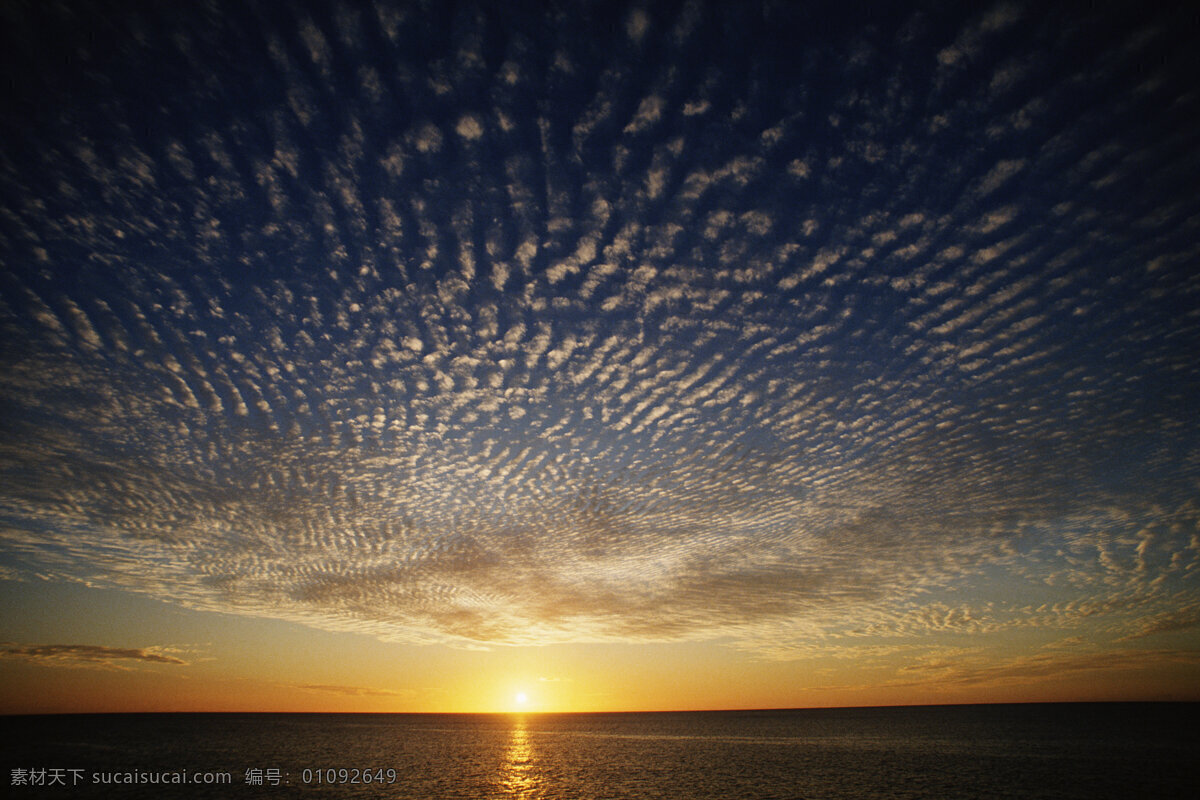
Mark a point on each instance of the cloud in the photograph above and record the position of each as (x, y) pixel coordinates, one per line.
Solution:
(86, 655)
(971, 38)
(999, 175)
(984, 670)
(428, 139)
(636, 24)
(649, 111)
(468, 127)
(1182, 619)
(619, 366)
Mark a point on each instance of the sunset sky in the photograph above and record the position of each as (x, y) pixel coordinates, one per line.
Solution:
(394, 357)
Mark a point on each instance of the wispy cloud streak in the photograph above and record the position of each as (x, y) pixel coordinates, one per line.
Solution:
(86, 655)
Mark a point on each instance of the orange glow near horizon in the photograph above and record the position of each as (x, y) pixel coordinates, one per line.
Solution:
(221, 662)
(442, 680)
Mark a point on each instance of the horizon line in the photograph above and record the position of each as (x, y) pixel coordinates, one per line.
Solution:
(610, 712)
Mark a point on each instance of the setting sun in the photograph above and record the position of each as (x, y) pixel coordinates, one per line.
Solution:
(521, 698)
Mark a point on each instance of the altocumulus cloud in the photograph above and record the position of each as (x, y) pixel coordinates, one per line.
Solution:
(609, 323)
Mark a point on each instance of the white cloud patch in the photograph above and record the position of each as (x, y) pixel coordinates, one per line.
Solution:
(636, 24)
(469, 127)
(427, 138)
(1000, 174)
(649, 111)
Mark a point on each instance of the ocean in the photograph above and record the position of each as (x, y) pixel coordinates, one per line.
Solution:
(1085, 751)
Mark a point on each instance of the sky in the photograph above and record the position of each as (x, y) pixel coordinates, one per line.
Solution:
(409, 357)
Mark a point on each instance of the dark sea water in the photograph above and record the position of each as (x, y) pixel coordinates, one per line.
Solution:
(1016, 751)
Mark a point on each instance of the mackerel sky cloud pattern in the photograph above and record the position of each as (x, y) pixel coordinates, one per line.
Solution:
(775, 325)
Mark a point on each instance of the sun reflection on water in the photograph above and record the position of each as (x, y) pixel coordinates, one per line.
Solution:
(519, 777)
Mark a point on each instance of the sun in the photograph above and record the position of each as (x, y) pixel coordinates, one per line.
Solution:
(521, 699)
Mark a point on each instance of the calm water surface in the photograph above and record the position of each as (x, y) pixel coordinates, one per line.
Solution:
(1021, 751)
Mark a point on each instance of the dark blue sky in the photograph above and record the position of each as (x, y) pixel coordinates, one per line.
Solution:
(608, 322)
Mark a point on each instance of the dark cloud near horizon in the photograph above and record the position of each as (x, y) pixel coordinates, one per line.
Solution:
(607, 323)
(84, 654)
